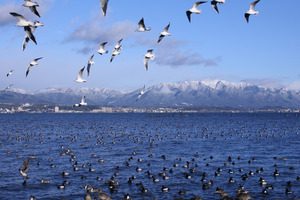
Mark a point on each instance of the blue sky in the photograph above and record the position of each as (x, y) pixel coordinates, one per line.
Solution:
(266, 51)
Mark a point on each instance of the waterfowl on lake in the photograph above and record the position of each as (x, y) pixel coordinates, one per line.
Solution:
(25, 168)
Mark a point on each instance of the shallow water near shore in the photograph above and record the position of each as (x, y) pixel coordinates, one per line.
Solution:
(177, 144)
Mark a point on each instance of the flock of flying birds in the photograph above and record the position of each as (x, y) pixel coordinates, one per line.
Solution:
(30, 27)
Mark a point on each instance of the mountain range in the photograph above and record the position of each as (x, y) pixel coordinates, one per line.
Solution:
(184, 94)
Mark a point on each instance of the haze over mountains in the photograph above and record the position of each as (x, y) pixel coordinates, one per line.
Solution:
(183, 94)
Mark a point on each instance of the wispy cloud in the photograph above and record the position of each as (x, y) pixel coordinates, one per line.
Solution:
(274, 83)
(176, 58)
(294, 85)
(265, 82)
(44, 6)
(173, 53)
(74, 21)
(5, 17)
(170, 51)
(85, 50)
(97, 30)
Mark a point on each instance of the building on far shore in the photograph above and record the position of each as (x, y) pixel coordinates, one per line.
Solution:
(56, 109)
(103, 110)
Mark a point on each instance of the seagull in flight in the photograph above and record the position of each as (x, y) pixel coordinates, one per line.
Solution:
(89, 64)
(8, 87)
(148, 55)
(142, 26)
(82, 103)
(25, 168)
(194, 9)
(79, 76)
(32, 63)
(118, 45)
(9, 73)
(26, 40)
(32, 6)
(115, 52)
(214, 4)
(101, 50)
(251, 11)
(141, 93)
(26, 24)
(164, 33)
(103, 4)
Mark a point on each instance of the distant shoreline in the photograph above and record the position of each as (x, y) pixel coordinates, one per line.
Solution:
(28, 108)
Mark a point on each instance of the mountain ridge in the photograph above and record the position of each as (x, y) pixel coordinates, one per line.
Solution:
(182, 94)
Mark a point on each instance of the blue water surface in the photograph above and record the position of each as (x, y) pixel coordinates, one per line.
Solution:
(114, 145)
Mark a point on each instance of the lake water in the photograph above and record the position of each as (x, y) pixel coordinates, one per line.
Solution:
(181, 145)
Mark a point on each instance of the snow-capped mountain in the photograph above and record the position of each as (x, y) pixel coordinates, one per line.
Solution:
(221, 93)
(189, 93)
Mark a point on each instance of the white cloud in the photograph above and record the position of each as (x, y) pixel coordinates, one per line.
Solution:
(168, 52)
(274, 83)
(294, 85)
(98, 30)
(85, 50)
(5, 17)
(267, 82)
(44, 6)
(176, 58)
(171, 52)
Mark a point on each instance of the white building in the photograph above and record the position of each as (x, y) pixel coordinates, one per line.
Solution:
(56, 109)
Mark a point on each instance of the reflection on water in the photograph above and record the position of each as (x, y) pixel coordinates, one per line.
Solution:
(189, 149)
